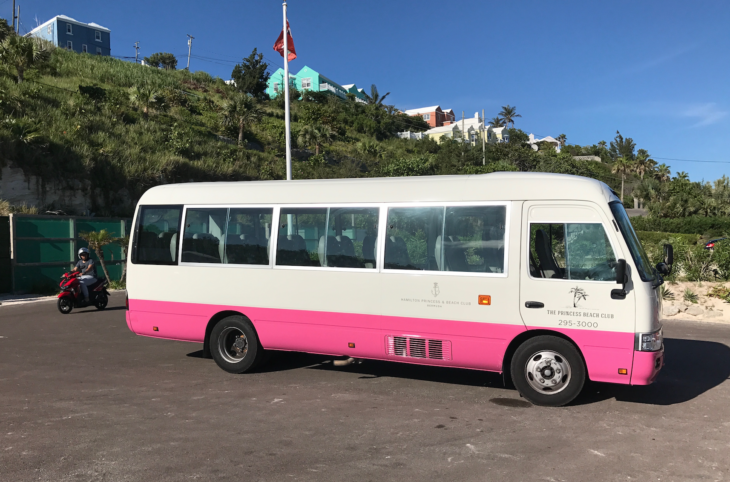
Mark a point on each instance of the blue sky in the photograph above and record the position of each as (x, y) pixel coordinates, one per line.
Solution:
(657, 71)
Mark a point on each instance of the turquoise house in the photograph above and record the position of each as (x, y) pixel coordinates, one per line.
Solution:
(310, 79)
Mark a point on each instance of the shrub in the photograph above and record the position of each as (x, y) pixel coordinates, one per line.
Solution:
(690, 296)
(712, 226)
(720, 291)
(413, 166)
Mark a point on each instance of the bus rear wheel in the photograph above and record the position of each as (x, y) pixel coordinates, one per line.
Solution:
(548, 371)
(234, 345)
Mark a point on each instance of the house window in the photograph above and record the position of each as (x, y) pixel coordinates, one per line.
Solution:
(69, 29)
(84, 49)
(98, 50)
(97, 36)
(426, 116)
(69, 45)
(306, 83)
(50, 29)
(276, 87)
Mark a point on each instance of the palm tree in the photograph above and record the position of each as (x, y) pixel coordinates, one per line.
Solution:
(509, 114)
(622, 166)
(23, 53)
(681, 176)
(562, 138)
(97, 240)
(496, 122)
(643, 163)
(602, 144)
(374, 97)
(663, 173)
(123, 242)
(241, 111)
(316, 135)
(143, 96)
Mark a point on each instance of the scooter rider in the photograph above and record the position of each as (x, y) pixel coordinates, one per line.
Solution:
(87, 267)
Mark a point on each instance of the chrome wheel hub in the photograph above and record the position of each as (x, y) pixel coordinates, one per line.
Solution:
(232, 345)
(548, 372)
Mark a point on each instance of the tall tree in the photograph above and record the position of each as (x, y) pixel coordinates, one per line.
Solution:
(622, 147)
(241, 111)
(663, 173)
(5, 29)
(163, 60)
(97, 240)
(509, 114)
(23, 53)
(315, 135)
(251, 76)
(496, 122)
(622, 166)
(643, 163)
(562, 138)
(375, 98)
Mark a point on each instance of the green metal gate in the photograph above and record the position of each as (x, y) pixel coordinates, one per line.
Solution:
(44, 247)
(5, 273)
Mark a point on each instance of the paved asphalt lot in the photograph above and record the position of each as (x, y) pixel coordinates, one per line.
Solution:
(83, 399)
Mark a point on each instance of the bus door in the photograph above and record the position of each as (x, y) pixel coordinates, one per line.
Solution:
(567, 283)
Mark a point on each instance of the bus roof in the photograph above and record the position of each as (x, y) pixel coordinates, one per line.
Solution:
(498, 186)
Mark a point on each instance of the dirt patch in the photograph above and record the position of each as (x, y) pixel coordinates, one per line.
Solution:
(691, 301)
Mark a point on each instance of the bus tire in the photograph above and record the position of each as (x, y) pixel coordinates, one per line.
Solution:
(234, 345)
(548, 371)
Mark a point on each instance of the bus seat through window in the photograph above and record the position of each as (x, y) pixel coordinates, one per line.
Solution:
(548, 266)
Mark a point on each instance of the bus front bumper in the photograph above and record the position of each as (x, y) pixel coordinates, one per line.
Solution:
(647, 365)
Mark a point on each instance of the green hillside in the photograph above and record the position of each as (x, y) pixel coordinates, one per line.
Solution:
(124, 126)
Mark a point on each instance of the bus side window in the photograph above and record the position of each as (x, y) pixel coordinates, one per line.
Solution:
(473, 240)
(351, 240)
(156, 239)
(203, 235)
(248, 236)
(412, 238)
(571, 251)
(300, 231)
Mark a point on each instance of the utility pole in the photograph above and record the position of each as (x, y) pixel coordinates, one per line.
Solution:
(17, 24)
(190, 47)
(286, 103)
(13, 15)
(484, 141)
(136, 52)
(463, 135)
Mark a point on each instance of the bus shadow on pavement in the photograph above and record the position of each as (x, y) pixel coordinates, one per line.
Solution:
(692, 368)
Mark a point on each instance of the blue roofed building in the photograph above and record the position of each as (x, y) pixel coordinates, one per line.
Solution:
(310, 79)
(66, 33)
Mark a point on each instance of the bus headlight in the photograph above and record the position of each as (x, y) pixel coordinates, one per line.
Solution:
(650, 341)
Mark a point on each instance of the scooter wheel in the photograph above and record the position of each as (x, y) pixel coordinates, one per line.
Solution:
(65, 305)
(101, 301)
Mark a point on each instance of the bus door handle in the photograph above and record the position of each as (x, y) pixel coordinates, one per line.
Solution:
(534, 304)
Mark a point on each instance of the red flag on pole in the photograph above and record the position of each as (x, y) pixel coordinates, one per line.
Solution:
(279, 45)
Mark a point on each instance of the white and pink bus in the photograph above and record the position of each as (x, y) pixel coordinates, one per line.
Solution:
(537, 276)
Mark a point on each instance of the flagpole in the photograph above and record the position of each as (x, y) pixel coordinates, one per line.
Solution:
(286, 96)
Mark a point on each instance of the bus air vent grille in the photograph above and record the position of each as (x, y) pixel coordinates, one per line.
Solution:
(413, 347)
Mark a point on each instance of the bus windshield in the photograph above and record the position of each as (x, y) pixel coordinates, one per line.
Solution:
(643, 265)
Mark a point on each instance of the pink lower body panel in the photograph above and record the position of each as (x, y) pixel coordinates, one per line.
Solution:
(646, 366)
(450, 343)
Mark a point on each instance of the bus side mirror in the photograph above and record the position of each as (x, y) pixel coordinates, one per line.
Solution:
(669, 257)
(621, 278)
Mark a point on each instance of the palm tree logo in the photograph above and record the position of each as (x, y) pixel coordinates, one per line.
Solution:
(578, 294)
(435, 290)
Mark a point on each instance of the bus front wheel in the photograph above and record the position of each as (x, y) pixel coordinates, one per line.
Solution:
(234, 345)
(548, 371)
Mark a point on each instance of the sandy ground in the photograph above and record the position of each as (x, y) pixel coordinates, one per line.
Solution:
(706, 309)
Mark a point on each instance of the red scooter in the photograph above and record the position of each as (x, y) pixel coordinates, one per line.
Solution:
(72, 297)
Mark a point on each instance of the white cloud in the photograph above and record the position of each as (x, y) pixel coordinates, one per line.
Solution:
(704, 114)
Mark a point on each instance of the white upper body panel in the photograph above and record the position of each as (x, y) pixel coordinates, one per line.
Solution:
(498, 186)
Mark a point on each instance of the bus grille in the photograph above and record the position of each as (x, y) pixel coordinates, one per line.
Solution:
(412, 347)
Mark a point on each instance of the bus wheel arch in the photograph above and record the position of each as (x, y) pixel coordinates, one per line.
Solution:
(522, 338)
(214, 321)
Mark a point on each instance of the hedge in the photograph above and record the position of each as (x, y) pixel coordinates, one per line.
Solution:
(711, 226)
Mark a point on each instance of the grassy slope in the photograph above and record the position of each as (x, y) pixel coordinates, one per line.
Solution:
(109, 142)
